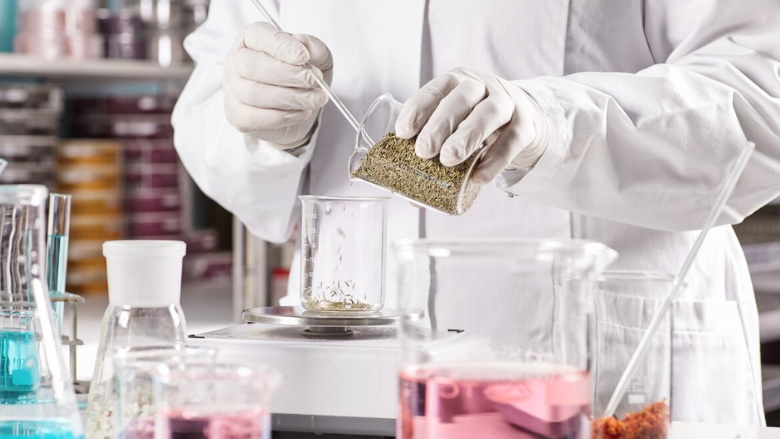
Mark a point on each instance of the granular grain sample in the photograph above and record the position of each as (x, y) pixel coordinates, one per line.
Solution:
(393, 164)
(652, 422)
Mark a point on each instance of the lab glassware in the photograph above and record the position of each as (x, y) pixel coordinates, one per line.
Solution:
(343, 254)
(36, 394)
(626, 302)
(144, 288)
(136, 368)
(427, 183)
(57, 252)
(503, 348)
(224, 401)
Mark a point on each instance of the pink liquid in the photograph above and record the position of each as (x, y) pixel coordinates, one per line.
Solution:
(138, 429)
(496, 401)
(182, 424)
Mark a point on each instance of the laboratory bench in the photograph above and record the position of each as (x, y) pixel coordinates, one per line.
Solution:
(680, 430)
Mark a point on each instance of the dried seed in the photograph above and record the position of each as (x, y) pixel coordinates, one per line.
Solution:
(393, 164)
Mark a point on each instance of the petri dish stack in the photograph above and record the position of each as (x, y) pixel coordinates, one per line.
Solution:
(29, 125)
(56, 29)
(91, 171)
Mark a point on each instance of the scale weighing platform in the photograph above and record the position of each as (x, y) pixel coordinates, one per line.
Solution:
(339, 371)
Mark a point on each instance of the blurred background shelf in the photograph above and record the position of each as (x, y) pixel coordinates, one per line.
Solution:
(97, 69)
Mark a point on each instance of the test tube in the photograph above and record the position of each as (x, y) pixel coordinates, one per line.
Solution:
(57, 251)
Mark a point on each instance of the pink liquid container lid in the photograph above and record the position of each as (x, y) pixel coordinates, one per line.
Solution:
(144, 274)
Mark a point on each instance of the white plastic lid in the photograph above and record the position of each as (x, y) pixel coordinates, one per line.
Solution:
(144, 273)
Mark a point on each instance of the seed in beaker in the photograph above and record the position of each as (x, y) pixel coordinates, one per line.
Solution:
(393, 164)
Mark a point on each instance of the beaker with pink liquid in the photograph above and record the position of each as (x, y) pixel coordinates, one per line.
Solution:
(504, 348)
(219, 401)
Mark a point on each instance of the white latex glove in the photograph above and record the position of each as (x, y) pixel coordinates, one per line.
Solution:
(458, 111)
(268, 93)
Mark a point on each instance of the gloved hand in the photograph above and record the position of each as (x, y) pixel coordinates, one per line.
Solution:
(268, 93)
(458, 111)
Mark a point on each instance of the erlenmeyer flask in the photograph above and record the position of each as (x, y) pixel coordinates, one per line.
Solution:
(36, 395)
(144, 287)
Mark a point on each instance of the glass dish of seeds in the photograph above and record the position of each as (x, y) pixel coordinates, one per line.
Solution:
(392, 164)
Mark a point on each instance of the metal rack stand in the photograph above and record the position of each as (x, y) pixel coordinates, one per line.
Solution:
(72, 341)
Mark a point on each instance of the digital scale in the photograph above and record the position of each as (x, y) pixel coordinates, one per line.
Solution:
(339, 370)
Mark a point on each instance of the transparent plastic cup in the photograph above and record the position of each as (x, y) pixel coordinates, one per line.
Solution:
(503, 349)
(625, 303)
(136, 368)
(343, 254)
(414, 181)
(223, 401)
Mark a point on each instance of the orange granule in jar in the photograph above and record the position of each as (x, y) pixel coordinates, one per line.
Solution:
(652, 422)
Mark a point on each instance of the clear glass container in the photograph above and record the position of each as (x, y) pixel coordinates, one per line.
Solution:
(343, 254)
(626, 302)
(222, 401)
(36, 394)
(136, 369)
(502, 350)
(144, 289)
(427, 183)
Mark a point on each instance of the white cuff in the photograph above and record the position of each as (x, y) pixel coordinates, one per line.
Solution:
(525, 179)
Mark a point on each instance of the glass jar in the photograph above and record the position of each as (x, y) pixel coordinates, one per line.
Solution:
(503, 348)
(391, 164)
(144, 288)
(343, 254)
(225, 401)
(626, 302)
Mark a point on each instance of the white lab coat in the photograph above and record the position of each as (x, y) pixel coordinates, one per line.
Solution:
(649, 103)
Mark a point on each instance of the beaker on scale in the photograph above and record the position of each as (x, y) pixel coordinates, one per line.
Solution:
(343, 246)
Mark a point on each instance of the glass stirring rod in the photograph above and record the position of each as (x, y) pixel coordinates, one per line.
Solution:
(321, 82)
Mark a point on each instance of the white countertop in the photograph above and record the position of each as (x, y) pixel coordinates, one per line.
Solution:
(683, 430)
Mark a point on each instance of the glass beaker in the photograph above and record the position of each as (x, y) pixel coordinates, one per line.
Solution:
(626, 302)
(503, 348)
(144, 288)
(136, 368)
(395, 166)
(36, 394)
(222, 401)
(343, 254)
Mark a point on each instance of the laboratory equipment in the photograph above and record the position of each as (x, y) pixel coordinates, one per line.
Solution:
(394, 166)
(504, 349)
(625, 304)
(728, 186)
(318, 324)
(223, 400)
(136, 368)
(343, 254)
(57, 252)
(36, 395)
(144, 289)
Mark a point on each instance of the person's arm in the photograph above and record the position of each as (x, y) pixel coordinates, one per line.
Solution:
(255, 180)
(653, 148)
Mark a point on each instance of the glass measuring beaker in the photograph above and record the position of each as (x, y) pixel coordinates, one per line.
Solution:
(136, 368)
(424, 182)
(36, 394)
(625, 304)
(343, 254)
(144, 289)
(503, 349)
(225, 401)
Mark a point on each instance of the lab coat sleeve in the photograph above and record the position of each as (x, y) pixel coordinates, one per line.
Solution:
(653, 148)
(256, 182)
